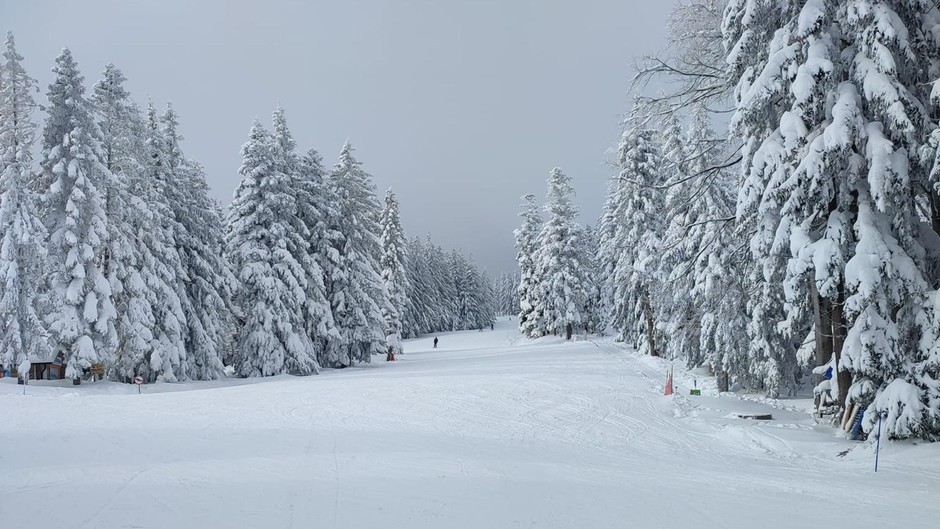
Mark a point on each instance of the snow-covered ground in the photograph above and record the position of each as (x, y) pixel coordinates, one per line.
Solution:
(487, 431)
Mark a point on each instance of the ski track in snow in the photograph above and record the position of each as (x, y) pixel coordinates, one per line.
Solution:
(489, 430)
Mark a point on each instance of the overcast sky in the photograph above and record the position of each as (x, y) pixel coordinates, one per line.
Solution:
(460, 106)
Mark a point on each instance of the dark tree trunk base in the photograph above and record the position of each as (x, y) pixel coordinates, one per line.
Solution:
(723, 385)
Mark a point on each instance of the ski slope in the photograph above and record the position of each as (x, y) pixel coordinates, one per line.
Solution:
(487, 431)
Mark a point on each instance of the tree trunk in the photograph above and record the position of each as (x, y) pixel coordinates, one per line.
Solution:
(650, 326)
(843, 377)
(823, 312)
(824, 344)
(723, 384)
(568, 331)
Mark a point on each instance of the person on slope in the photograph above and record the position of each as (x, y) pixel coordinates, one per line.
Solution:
(435, 342)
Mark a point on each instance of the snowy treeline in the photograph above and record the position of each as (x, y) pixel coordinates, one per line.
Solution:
(557, 292)
(506, 289)
(113, 253)
(805, 237)
(669, 271)
(445, 291)
(805, 240)
(111, 248)
(318, 259)
(326, 276)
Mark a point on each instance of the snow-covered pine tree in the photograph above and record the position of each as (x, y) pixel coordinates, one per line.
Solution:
(462, 279)
(588, 244)
(272, 336)
(926, 370)
(417, 318)
(72, 180)
(129, 261)
(507, 297)
(831, 104)
(437, 304)
(755, 59)
(22, 247)
(561, 264)
(445, 295)
(880, 275)
(305, 176)
(206, 296)
(676, 311)
(442, 298)
(448, 293)
(317, 209)
(393, 274)
(161, 266)
(354, 284)
(211, 284)
(482, 298)
(199, 234)
(717, 285)
(637, 212)
(606, 252)
(409, 323)
(888, 72)
(527, 247)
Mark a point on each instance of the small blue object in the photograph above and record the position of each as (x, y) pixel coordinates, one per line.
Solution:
(828, 375)
(7, 373)
(857, 428)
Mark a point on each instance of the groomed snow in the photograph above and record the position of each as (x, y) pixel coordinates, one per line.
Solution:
(487, 431)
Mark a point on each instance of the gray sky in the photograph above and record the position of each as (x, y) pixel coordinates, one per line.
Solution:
(460, 106)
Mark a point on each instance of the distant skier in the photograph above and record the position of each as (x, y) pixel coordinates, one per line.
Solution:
(435, 342)
(491, 326)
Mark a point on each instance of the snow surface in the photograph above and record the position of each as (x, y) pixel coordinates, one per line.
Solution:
(486, 431)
